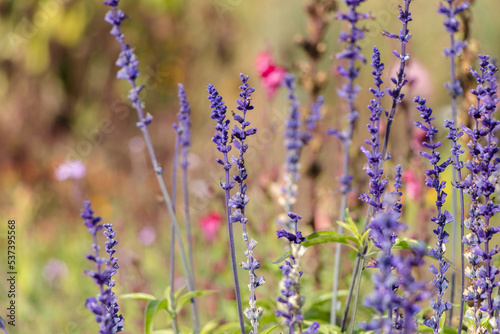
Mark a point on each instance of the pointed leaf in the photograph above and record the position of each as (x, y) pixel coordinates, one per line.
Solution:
(138, 296)
(185, 298)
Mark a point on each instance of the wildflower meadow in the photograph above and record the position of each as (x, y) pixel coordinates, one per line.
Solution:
(231, 166)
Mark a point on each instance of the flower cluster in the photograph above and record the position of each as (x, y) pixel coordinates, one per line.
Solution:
(183, 128)
(295, 139)
(434, 181)
(290, 300)
(480, 186)
(374, 167)
(456, 46)
(104, 306)
(349, 90)
(239, 200)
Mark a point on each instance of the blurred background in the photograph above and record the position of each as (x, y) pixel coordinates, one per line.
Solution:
(61, 101)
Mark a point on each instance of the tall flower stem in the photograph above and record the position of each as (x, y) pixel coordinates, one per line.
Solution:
(221, 139)
(183, 142)
(455, 90)
(128, 62)
(172, 238)
(442, 218)
(456, 152)
(349, 92)
(397, 96)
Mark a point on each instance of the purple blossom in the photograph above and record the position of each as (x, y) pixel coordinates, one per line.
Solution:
(239, 201)
(480, 186)
(451, 24)
(374, 166)
(290, 301)
(443, 217)
(183, 128)
(104, 306)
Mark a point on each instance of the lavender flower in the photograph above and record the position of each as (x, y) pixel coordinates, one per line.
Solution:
(413, 291)
(443, 217)
(480, 186)
(290, 300)
(374, 157)
(128, 63)
(396, 193)
(239, 201)
(221, 140)
(183, 128)
(293, 145)
(384, 300)
(105, 306)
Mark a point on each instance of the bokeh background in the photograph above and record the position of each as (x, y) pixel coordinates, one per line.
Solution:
(61, 100)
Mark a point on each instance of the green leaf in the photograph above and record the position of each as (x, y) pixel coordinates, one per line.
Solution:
(283, 257)
(150, 313)
(209, 327)
(269, 330)
(138, 296)
(322, 237)
(185, 298)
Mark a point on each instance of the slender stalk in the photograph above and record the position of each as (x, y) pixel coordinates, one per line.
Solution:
(172, 233)
(234, 265)
(349, 92)
(455, 90)
(188, 217)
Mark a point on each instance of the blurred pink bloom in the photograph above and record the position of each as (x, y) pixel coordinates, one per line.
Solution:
(55, 270)
(147, 235)
(413, 186)
(418, 76)
(70, 169)
(272, 75)
(210, 225)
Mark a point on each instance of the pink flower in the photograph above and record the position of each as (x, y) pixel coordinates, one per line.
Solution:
(70, 169)
(272, 74)
(413, 186)
(147, 235)
(210, 225)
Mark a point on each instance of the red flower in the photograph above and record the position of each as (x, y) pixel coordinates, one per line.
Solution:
(272, 75)
(210, 225)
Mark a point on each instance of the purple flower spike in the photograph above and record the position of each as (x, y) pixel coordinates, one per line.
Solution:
(239, 201)
(443, 217)
(104, 306)
(183, 128)
(480, 186)
(290, 301)
(374, 156)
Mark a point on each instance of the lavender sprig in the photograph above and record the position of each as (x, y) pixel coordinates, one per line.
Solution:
(373, 168)
(384, 227)
(443, 217)
(182, 141)
(291, 301)
(221, 139)
(239, 201)
(348, 92)
(400, 81)
(104, 306)
(480, 186)
(455, 90)
(293, 144)
(183, 131)
(129, 71)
